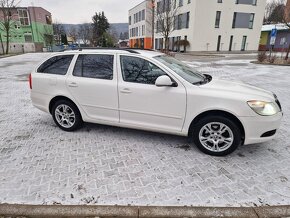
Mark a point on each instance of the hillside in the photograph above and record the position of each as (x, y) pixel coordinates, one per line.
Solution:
(118, 27)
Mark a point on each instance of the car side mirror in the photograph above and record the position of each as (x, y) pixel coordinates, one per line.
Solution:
(163, 81)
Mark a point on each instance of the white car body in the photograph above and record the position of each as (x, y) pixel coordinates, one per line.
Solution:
(148, 107)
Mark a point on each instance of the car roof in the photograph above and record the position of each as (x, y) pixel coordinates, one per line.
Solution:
(141, 52)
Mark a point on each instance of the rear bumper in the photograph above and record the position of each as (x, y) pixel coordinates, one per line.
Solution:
(261, 128)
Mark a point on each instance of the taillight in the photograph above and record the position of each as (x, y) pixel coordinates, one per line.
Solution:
(30, 81)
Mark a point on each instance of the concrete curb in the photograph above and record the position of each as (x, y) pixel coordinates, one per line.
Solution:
(269, 64)
(36, 211)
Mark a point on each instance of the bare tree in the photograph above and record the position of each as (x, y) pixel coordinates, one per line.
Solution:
(58, 30)
(2, 46)
(73, 33)
(85, 32)
(8, 15)
(166, 19)
(276, 12)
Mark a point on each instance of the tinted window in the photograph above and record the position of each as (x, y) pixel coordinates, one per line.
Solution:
(95, 66)
(56, 65)
(138, 70)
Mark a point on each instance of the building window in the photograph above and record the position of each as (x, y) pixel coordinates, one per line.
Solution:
(234, 20)
(243, 20)
(130, 20)
(28, 38)
(140, 15)
(218, 19)
(189, 1)
(180, 3)
(220, 1)
(143, 14)
(187, 19)
(23, 17)
(48, 19)
(244, 43)
(179, 24)
(251, 22)
(247, 2)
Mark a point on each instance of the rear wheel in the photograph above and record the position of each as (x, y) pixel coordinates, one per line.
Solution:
(66, 115)
(216, 135)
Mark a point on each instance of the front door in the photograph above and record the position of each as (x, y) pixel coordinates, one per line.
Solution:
(93, 85)
(145, 105)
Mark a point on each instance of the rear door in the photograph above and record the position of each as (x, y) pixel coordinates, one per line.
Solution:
(93, 84)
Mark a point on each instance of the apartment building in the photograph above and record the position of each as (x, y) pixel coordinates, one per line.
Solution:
(213, 25)
(140, 25)
(31, 31)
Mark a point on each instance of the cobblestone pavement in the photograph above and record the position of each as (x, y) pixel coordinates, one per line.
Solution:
(40, 164)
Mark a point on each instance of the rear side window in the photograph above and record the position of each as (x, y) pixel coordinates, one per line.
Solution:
(95, 66)
(138, 70)
(56, 65)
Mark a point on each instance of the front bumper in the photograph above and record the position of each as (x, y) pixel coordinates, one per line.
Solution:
(256, 127)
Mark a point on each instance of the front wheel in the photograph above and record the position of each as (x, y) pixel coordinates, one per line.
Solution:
(216, 135)
(66, 115)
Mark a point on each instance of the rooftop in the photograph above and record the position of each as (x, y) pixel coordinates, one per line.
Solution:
(279, 26)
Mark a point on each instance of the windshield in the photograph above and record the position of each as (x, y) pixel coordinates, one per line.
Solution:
(186, 72)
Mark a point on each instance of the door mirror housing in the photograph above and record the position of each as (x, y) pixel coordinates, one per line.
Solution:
(163, 81)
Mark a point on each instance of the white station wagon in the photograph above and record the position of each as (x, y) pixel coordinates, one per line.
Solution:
(151, 91)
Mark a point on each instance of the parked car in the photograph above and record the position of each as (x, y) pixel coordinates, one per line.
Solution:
(151, 91)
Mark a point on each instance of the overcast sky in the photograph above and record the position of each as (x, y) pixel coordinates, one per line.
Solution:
(81, 11)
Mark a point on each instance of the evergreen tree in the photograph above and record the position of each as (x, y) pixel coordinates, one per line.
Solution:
(100, 27)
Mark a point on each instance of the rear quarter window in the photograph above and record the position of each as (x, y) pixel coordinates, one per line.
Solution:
(56, 65)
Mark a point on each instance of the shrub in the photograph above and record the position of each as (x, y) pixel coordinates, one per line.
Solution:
(272, 59)
(262, 56)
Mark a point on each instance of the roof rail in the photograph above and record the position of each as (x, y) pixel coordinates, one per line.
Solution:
(117, 49)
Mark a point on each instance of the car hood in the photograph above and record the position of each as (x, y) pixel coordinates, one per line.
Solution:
(250, 92)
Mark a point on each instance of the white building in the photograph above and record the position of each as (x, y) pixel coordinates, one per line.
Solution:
(140, 25)
(211, 25)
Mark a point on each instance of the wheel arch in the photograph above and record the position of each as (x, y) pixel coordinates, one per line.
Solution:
(217, 113)
(58, 98)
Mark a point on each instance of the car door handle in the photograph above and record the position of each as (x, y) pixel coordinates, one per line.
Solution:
(73, 84)
(126, 91)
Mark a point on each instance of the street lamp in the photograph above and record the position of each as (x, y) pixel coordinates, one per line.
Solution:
(153, 21)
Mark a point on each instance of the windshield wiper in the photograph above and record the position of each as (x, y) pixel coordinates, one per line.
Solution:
(206, 80)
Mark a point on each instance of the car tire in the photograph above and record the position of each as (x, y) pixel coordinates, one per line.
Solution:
(216, 135)
(66, 115)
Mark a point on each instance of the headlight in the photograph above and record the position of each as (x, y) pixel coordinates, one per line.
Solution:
(264, 108)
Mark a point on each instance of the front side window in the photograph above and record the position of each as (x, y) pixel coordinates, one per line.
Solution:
(138, 70)
(95, 66)
(56, 65)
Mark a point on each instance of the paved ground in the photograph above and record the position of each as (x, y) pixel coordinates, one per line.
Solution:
(40, 164)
